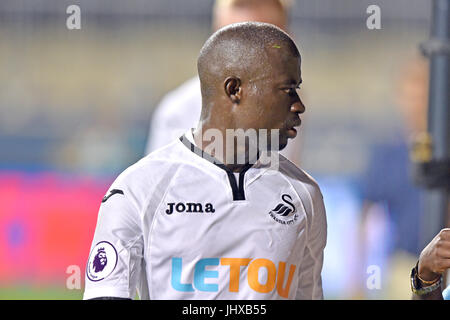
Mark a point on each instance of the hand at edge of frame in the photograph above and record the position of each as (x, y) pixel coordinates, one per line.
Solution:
(435, 257)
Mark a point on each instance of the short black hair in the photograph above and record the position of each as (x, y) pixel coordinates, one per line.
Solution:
(234, 49)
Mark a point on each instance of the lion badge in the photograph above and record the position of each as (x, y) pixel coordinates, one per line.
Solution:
(102, 261)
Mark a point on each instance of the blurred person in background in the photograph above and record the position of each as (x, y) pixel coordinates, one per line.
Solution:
(180, 109)
(427, 275)
(392, 204)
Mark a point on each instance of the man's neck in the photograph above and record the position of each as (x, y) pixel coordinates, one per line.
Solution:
(235, 157)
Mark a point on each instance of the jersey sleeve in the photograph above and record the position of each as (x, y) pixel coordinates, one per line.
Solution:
(310, 280)
(115, 263)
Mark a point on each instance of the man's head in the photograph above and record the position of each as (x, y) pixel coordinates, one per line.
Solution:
(227, 12)
(249, 73)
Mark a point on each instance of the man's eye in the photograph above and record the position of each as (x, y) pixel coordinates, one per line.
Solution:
(291, 90)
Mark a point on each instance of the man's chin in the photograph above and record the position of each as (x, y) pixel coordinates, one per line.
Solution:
(283, 142)
(282, 146)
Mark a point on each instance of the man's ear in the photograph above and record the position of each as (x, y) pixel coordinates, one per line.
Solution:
(232, 86)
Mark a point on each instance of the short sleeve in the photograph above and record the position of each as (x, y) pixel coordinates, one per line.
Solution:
(310, 280)
(114, 267)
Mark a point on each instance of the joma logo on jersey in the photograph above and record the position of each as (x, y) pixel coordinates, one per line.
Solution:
(276, 275)
(189, 207)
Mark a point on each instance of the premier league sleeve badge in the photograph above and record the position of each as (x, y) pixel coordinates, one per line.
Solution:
(102, 261)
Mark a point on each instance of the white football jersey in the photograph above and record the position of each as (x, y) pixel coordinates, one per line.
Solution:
(179, 225)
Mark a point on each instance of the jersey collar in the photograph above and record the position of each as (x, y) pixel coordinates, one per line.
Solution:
(237, 189)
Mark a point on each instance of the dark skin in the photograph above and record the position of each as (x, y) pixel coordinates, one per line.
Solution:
(434, 260)
(267, 99)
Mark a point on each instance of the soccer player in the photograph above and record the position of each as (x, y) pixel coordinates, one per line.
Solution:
(180, 109)
(189, 222)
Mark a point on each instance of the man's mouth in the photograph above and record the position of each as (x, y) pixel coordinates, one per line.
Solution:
(291, 131)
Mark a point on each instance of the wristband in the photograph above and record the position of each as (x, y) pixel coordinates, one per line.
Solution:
(417, 285)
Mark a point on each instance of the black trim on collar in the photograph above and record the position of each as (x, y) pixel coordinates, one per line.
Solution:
(238, 190)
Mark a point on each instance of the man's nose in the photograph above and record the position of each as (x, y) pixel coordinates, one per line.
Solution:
(298, 107)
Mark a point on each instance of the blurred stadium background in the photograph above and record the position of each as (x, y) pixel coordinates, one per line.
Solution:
(75, 108)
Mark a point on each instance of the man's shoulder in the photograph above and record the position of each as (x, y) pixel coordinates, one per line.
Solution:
(310, 194)
(298, 177)
(156, 165)
(147, 179)
(290, 170)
